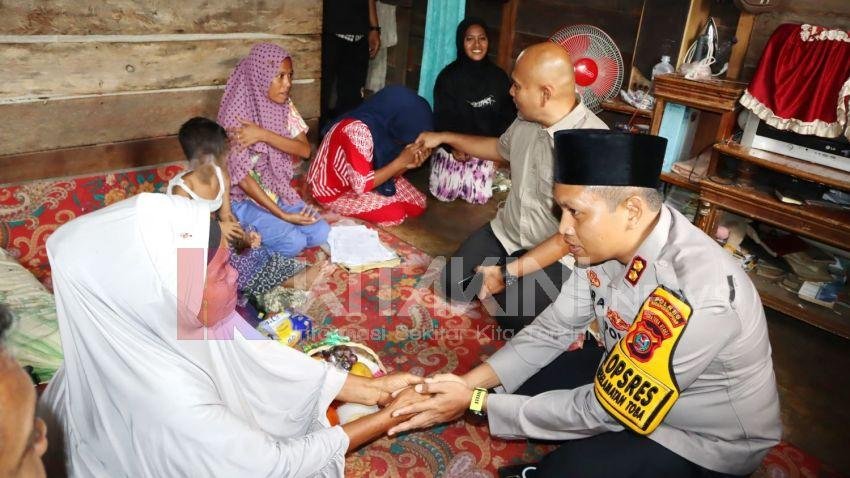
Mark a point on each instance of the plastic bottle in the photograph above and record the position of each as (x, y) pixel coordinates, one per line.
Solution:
(663, 67)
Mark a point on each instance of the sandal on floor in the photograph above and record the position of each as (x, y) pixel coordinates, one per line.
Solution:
(524, 470)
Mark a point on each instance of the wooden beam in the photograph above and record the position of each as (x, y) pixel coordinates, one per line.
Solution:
(65, 69)
(95, 119)
(59, 163)
(125, 17)
(739, 49)
(506, 34)
(698, 12)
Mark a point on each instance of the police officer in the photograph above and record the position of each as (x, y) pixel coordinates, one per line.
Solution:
(681, 383)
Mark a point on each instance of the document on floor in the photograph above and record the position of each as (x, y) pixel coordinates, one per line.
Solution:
(358, 249)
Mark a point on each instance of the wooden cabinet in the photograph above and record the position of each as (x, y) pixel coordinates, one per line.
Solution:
(719, 99)
(718, 102)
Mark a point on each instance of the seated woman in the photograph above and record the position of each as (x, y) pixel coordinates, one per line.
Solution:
(162, 377)
(471, 96)
(357, 170)
(257, 109)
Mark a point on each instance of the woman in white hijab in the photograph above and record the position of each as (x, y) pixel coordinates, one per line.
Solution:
(147, 390)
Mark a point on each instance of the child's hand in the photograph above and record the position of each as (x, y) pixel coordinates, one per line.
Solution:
(232, 230)
(254, 239)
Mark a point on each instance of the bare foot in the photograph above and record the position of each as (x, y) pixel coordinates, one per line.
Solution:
(305, 279)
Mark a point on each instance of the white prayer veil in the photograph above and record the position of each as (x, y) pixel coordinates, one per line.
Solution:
(135, 397)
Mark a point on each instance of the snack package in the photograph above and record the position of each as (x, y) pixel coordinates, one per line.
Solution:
(288, 329)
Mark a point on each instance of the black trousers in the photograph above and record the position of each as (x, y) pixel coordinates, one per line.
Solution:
(614, 454)
(344, 68)
(518, 304)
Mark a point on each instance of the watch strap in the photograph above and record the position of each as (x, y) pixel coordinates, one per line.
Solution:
(508, 278)
(479, 396)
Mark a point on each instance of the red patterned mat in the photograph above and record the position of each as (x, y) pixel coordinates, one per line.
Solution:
(394, 311)
(30, 212)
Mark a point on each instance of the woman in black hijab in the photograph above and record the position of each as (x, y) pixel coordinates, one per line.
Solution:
(471, 96)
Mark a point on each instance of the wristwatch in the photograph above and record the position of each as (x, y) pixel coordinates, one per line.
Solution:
(476, 405)
(375, 28)
(508, 278)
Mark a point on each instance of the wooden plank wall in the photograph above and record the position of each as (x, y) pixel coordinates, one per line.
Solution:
(828, 13)
(87, 72)
(398, 55)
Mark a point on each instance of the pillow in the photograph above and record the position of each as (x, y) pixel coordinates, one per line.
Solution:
(34, 338)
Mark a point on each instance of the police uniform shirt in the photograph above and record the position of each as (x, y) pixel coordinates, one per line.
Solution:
(727, 414)
(526, 218)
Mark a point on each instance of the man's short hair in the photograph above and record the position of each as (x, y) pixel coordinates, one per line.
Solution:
(200, 137)
(615, 195)
(6, 321)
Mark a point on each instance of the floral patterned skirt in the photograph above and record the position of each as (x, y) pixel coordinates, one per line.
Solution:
(470, 180)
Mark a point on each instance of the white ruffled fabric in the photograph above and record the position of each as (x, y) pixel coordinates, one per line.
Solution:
(816, 127)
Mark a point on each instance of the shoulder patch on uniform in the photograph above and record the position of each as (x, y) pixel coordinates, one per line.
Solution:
(635, 383)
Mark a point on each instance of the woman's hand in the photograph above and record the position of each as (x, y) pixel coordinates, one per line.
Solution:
(449, 399)
(248, 133)
(306, 216)
(391, 385)
(459, 155)
(412, 156)
(374, 43)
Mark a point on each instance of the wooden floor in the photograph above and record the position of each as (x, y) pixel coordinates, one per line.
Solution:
(812, 366)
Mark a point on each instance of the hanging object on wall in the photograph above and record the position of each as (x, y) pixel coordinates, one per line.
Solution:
(756, 6)
(597, 62)
(701, 55)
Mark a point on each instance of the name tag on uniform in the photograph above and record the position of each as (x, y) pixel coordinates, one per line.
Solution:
(635, 383)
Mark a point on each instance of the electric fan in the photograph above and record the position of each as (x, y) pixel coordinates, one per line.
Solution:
(597, 62)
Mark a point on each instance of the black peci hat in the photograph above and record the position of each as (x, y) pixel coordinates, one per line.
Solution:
(601, 157)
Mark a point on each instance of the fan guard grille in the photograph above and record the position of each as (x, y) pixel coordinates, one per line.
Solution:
(597, 61)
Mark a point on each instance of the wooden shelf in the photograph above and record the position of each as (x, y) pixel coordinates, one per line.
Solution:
(677, 179)
(617, 105)
(786, 165)
(719, 96)
(826, 225)
(777, 298)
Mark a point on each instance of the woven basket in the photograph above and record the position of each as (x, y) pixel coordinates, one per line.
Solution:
(365, 355)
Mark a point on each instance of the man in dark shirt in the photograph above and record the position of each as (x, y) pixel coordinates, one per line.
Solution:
(351, 36)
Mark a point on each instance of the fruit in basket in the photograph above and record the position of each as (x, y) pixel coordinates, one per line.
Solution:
(342, 356)
(333, 416)
(361, 370)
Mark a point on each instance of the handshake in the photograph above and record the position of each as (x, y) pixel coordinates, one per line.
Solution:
(417, 402)
(412, 156)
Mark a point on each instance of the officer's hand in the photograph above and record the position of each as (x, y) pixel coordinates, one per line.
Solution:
(493, 283)
(449, 400)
